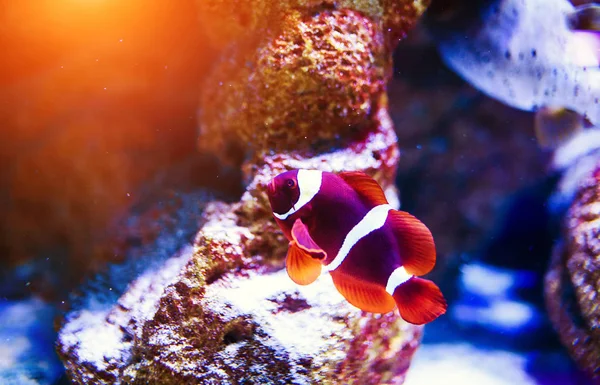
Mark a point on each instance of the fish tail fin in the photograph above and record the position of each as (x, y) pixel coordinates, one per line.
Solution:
(419, 301)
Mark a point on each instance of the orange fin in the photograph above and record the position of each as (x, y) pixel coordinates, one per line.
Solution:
(364, 295)
(419, 301)
(303, 239)
(302, 268)
(417, 249)
(367, 187)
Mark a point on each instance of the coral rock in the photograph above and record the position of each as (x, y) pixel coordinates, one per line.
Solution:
(207, 317)
(576, 268)
(315, 81)
(306, 90)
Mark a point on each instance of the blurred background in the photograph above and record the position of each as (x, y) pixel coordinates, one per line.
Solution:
(97, 98)
(98, 104)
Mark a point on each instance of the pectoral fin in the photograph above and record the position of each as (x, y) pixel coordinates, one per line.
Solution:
(303, 239)
(302, 268)
(303, 262)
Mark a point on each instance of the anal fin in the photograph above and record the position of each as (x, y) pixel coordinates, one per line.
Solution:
(364, 295)
(417, 249)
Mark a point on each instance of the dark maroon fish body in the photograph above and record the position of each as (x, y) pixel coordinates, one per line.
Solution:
(343, 223)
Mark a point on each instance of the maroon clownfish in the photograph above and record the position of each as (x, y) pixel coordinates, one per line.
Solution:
(343, 224)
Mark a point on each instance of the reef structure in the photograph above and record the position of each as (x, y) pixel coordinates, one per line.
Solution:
(304, 75)
(300, 84)
(572, 283)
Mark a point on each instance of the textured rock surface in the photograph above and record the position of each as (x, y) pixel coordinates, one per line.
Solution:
(573, 280)
(305, 90)
(213, 315)
(312, 80)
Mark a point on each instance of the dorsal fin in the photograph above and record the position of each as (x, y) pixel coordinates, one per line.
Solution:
(417, 249)
(368, 189)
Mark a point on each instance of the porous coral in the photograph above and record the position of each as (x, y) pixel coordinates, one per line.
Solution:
(212, 314)
(311, 78)
(573, 280)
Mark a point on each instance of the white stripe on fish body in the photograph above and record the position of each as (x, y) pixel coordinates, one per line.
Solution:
(309, 184)
(397, 278)
(372, 221)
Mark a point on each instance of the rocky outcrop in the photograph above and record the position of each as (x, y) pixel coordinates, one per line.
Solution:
(213, 314)
(305, 76)
(573, 280)
(305, 91)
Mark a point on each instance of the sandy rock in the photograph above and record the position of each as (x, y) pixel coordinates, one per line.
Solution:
(211, 315)
(575, 267)
(225, 21)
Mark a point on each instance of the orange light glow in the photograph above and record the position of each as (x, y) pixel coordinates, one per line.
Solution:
(96, 97)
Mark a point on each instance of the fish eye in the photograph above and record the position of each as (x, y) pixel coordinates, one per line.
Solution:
(290, 183)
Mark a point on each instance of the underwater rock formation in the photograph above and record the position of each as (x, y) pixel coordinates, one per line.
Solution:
(215, 314)
(305, 91)
(303, 76)
(573, 280)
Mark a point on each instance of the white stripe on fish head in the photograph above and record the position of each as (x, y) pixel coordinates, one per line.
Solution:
(309, 184)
